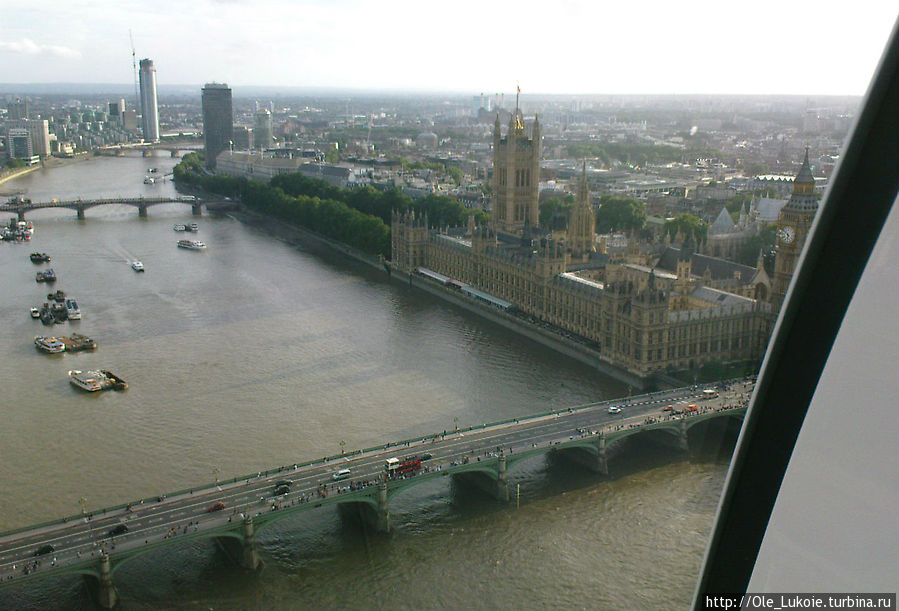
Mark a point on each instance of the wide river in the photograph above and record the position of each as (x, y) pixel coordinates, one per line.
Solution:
(257, 353)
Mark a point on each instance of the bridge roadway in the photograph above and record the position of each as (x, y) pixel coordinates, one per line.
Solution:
(83, 544)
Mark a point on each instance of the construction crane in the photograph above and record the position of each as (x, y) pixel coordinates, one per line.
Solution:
(134, 66)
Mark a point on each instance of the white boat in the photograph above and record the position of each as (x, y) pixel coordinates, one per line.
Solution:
(180, 227)
(191, 244)
(72, 309)
(98, 379)
(35, 313)
(149, 180)
(49, 344)
(137, 266)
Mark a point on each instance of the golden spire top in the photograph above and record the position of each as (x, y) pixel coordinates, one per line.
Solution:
(517, 124)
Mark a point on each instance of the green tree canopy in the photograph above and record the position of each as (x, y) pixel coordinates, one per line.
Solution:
(620, 214)
(550, 206)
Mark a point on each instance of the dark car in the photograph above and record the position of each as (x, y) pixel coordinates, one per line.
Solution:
(45, 549)
(216, 507)
(282, 490)
(119, 529)
(426, 456)
(282, 482)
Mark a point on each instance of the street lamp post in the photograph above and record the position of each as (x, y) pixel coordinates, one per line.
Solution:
(342, 447)
(456, 424)
(215, 473)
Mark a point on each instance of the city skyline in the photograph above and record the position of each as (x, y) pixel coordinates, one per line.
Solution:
(578, 48)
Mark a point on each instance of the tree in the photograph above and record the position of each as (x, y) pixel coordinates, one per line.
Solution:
(552, 205)
(620, 214)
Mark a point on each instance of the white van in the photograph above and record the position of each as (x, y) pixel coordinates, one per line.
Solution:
(342, 474)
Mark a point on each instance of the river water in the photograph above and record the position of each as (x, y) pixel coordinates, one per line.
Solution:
(257, 353)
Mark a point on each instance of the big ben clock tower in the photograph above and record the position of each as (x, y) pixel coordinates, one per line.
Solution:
(792, 229)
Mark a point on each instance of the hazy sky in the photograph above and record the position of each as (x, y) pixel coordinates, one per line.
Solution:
(558, 46)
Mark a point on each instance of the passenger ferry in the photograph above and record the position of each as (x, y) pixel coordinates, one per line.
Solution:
(98, 379)
(191, 244)
(51, 345)
(72, 309)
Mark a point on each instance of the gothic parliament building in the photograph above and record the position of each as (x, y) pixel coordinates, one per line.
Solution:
(652, 309)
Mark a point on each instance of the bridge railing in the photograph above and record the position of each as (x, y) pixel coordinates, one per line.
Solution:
(352, 453)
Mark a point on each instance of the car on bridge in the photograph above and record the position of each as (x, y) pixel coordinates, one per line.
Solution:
(217, 506)
(44, 549)
(282, 490)
(119, 529)
(614, 410)
(342, 474)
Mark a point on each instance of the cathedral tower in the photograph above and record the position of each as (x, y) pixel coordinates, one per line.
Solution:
(792, 229)
(516, 172)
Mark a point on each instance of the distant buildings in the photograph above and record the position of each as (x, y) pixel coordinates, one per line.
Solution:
(17, 109)
(149, 110)
(262, 129)
(218, 121)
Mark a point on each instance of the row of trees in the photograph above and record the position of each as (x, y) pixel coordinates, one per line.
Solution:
(359, 217)
(442, 210)
(325, 215)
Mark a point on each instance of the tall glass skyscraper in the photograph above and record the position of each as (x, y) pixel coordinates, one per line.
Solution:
(218, 122)
(149, 112)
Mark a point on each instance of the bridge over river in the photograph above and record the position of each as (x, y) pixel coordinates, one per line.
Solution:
(96, 543)
(20, 206)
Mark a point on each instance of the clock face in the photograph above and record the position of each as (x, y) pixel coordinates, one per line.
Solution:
(787, 234)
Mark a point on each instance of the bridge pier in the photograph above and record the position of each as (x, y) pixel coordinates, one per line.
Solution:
(502, 480)
(142, 212)
(683, 441)
(107, 595)
(496, 485)
(249, 558)
(595, 462)
(382, 523)
(148, 153)
(175, 153)
(197, 209)
(80, 211)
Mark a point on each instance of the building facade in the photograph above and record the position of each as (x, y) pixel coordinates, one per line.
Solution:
(218, 121)
(262, 129)
(148, 105)
(641, 318)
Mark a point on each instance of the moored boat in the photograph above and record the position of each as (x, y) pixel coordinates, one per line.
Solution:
(179, 227)
(97, 379)
(39, 257)
(59, 296)
(76, 342)
(46, 276)
(72, 309)
(35, 313)
(191, 244)
(51, 345)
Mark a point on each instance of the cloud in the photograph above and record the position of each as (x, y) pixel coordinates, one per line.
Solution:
(26, 46)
